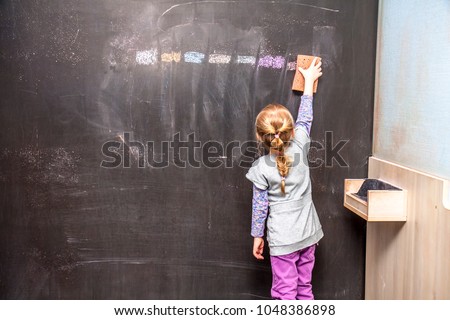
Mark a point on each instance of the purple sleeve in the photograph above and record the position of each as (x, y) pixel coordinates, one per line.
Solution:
(260, 208)
(305, 113)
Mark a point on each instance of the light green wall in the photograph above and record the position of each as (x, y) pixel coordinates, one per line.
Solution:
(412, 107)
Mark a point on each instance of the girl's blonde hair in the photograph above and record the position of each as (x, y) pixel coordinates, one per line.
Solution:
(274, 128)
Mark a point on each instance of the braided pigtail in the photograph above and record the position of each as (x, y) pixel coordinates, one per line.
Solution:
(283, 164)
(274, 126)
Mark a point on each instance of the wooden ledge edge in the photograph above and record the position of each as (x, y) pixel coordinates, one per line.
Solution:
(446, 195)
(445, 183)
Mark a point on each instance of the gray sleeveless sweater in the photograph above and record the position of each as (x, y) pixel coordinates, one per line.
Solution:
(292, 223)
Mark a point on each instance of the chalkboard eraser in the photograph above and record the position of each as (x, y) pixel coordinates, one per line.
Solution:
(375, 200)
(299, 82)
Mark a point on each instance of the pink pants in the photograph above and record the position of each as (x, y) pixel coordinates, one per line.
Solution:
(291, 275)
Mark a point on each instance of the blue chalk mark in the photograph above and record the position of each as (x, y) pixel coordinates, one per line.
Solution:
(194, 57)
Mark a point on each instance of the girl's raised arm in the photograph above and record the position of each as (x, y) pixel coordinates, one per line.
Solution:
(305, 112)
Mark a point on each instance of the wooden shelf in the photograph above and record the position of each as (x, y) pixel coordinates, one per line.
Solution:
(410, 261)
(381, 205)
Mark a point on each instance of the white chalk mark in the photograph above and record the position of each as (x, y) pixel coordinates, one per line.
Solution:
(237, 1)
(194, 57)
(254, 295)
(209, 220)
(147, 57)
(29, 91)
(219, 58)
(246, 59)
(173, 261)
(133, 150)
(73, 41)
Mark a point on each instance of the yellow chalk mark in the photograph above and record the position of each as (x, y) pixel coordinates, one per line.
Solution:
(171, 56)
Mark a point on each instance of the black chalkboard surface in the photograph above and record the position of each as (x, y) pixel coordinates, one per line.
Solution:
(79, 76)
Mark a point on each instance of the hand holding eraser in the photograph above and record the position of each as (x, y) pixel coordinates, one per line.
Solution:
(304, 62)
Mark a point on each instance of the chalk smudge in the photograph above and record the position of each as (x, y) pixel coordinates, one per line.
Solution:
(147, 57)
(276, 62)
(219, 58)
(246, 59)
(194, 57)
(46, 174)
(171, 56)
(292, 65)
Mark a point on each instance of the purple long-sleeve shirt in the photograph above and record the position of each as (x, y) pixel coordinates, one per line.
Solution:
(260, 202)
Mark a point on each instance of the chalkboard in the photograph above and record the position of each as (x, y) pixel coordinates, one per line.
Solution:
(80, 78)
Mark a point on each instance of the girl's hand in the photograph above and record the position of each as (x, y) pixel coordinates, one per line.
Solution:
(258, 247)
(313, 72)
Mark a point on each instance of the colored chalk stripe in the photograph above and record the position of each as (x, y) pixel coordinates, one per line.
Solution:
(219, 58)
(150, 57)
(146, 57)
(194, 57)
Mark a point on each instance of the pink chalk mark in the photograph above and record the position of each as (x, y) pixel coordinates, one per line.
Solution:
(276, 62)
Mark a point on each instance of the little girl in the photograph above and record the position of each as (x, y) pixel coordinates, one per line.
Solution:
(281, 181)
